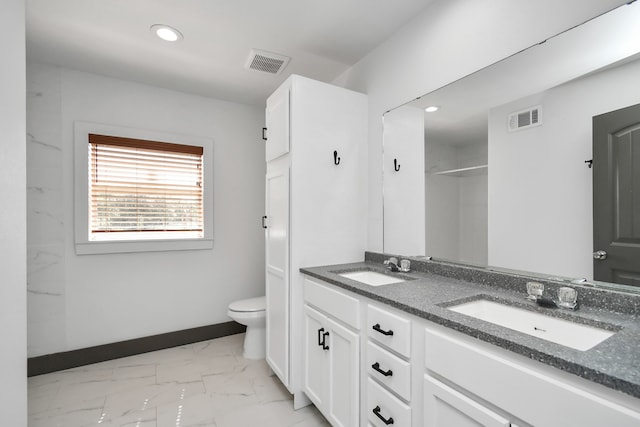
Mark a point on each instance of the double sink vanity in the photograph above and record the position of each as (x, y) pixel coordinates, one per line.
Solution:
(454, 345)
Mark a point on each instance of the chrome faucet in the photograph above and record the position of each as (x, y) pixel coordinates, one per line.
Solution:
(392, 264)
(567, 297)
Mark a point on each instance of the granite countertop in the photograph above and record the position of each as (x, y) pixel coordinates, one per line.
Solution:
(432, 286)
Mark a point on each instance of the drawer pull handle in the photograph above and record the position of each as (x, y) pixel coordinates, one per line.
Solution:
(324, 340)
(320, 335)
(376, 412)
(376, 367)
(376, 327)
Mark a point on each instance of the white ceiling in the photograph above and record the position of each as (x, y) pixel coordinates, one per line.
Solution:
(112, 37)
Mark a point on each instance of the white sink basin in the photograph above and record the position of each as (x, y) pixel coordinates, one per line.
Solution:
(372, 278)
(564, 332)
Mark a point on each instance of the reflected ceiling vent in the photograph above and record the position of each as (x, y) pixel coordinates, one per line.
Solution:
(525, 119)
(266, 62)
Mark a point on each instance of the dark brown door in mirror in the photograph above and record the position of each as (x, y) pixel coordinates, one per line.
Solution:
(616, 196)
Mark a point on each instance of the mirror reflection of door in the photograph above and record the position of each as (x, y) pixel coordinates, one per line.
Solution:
(616, 196)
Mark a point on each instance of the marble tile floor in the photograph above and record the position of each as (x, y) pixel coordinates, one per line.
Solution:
(207, 384)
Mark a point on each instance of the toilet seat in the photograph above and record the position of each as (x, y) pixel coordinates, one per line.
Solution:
(249, 305)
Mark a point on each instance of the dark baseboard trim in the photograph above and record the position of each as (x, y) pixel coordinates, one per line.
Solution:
(85, 356)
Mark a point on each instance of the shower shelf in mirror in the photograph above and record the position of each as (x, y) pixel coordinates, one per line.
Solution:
(470, 171)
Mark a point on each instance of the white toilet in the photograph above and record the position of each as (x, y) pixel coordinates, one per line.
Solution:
(251, 312)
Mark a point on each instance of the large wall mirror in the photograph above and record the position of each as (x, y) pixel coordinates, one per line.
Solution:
(508, 155)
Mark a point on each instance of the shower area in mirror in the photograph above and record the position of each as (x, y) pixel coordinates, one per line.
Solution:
(456, 218)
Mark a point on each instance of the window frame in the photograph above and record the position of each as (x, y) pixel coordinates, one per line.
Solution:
(84, 246)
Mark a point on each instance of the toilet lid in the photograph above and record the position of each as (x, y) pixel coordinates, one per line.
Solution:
(248, 305)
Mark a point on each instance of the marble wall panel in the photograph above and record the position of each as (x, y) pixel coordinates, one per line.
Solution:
(45, 213)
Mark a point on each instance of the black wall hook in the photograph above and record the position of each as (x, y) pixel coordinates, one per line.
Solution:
(589, 163)
(336, 159)
(396, 165)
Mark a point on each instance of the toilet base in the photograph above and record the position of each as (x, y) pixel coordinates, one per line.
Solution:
(255, 343)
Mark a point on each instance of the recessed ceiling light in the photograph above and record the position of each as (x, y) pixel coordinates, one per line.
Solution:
(431, 109)
(166, 32)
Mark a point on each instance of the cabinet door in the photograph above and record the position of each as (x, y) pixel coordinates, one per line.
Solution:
(316, 357)
(330, 198)
(277, 119)
(277, 272)
(344, 375)
(445, 407)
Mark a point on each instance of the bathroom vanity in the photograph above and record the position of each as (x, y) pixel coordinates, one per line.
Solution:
(400, 354)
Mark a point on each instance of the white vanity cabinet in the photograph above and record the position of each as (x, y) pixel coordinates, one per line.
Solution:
(315, 204)
(370, 364)
(332, 353)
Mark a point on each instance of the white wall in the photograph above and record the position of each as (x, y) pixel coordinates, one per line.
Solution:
(450, 39)
(13, 328)
(472, 239)
(473, 206)
(442, 195)
(404, 210)
(80, 301)
(540, 205)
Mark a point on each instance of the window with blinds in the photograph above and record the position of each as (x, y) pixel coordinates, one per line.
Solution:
(140, 190)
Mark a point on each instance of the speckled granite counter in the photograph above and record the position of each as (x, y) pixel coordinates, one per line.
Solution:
(432, 286)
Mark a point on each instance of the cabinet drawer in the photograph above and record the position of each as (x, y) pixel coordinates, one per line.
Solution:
(335, 303)
(390, 330)
(444, 406)
(396, 373)
(474, 367)
(382, 405)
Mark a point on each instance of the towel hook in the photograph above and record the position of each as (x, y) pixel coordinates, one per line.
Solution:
(336, 159)
(589, 163)
(396, 165)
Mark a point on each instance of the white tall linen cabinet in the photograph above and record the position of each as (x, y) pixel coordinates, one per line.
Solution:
(316, 204)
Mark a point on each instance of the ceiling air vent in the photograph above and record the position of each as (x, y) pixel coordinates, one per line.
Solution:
(266, 62)
(525, 119)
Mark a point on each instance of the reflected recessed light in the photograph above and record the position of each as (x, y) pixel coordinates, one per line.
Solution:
(166, 32)
(431, 109)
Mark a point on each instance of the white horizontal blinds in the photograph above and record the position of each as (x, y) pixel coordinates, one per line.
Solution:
(144, 186)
